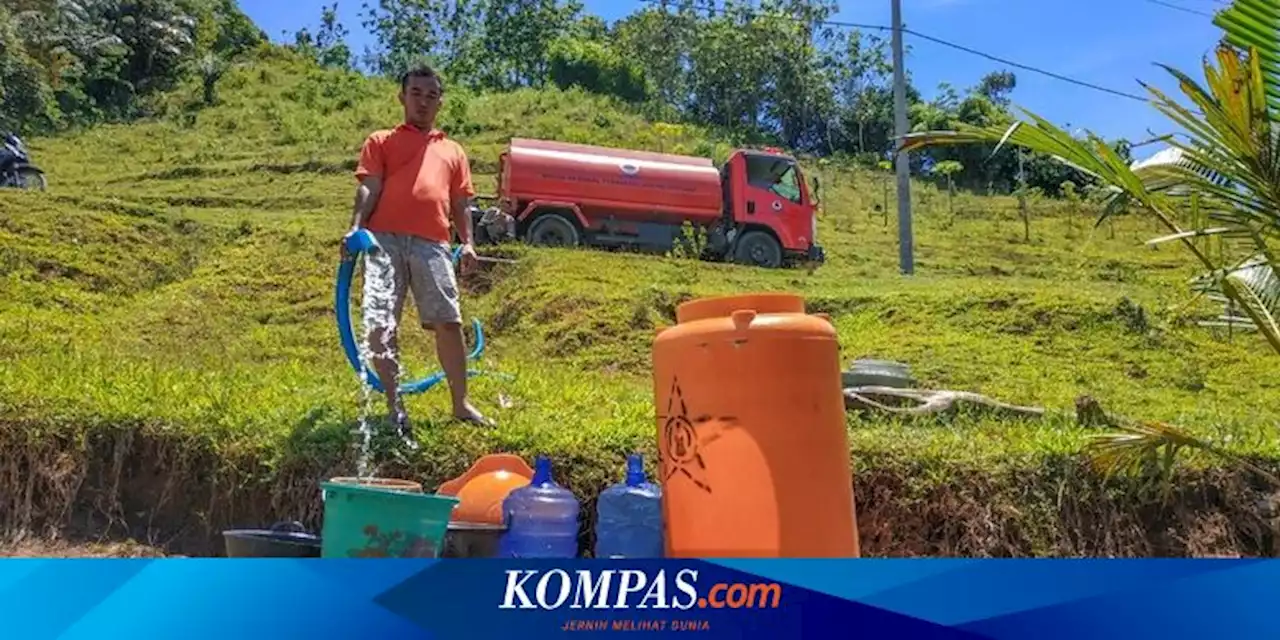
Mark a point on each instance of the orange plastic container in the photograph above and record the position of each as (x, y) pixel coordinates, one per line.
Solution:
(483, 487)
(754, 455)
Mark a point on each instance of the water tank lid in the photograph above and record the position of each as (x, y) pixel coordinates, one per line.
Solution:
(724, 306)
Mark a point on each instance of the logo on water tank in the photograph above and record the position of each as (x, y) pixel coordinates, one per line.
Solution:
(683, 438)
(629, 168)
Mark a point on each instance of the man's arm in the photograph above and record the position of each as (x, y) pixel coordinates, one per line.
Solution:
(461, 209)
(366, 199)
(369, 172)
(461, 192)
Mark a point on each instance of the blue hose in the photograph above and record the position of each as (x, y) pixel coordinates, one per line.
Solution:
(358, 244)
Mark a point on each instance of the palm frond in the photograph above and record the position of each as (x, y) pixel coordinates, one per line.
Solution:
(1257, 291)
(1133, 448)
(1254, 300)
(1194, 233)
(1255, 24)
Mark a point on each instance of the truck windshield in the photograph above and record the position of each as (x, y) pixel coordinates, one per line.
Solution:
(779, 175)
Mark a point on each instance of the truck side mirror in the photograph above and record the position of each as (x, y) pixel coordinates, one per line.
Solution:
(817, 190)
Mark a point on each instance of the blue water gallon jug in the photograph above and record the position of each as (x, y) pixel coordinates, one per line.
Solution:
(541, 518)
(629, 517)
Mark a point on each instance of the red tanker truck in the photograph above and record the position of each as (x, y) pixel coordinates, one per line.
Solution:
(756, 209)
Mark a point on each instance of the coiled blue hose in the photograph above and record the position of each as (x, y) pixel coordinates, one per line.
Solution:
(359, 243)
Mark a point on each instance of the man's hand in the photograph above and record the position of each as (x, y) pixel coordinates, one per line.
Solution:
(469, 259)
(367, 194)
(344, 252)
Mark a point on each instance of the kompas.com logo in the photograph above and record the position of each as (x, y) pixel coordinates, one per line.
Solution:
(626, 589)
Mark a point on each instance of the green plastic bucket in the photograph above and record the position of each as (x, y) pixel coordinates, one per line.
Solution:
(368, 521)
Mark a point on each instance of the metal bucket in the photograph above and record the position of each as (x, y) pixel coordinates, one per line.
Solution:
(284, 540)
(472, 540)
(877, 373)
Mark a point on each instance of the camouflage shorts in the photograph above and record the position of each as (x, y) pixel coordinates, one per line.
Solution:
(422, 267)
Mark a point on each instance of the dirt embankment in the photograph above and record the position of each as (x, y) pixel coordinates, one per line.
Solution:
(178, 497)
(27, 547)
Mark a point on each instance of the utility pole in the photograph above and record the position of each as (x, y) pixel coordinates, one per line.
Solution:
(906, 261)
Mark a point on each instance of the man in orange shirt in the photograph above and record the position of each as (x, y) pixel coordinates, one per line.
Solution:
(413, 182)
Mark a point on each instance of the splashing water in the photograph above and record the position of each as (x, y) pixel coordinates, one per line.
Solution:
(378, 313)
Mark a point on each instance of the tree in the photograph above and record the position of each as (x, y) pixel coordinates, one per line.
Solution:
(596, 67)
(798, 69)
(516, 38)
(88, 61)
(996, 87)
(947, 169)
(461, 40)
(886, 176)
(589, 27)
(234, 34)
(492, 44)
(80, 59)
(661, 42)
(211, 68)
(159, 34)
(407, 31)
(26, 99)
(328, 46)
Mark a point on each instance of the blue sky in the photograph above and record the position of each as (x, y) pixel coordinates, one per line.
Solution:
(1112, 43)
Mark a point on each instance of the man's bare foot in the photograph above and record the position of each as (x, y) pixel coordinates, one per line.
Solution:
(468, 413)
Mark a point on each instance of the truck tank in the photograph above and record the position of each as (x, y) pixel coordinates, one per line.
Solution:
(636, 185)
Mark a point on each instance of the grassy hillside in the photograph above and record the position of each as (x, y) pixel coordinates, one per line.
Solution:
(172, 366)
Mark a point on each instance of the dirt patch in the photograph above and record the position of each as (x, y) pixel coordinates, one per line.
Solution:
(26, 547)
(178, 495)
(1062, 510)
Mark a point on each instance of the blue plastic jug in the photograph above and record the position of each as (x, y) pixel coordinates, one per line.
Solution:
(629, 517)
(541, 518)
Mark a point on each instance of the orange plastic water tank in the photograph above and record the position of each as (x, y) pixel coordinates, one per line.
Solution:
(754, 454)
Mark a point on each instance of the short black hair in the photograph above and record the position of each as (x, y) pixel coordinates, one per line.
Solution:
(420, 71)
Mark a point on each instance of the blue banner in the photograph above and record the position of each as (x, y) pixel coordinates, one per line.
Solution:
(470, 599)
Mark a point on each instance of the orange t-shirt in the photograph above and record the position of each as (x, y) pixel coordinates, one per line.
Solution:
(421, 174)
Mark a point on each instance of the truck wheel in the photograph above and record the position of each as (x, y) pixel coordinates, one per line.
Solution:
(552, 230)
(760, 249)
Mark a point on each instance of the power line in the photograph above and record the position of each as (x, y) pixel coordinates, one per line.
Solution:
(1175, 7)
(969, 50)
(1056, 76)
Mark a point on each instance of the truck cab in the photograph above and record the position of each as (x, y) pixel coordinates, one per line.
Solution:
(771, 208)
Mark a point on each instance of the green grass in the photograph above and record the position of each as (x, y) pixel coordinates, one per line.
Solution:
(167, 330)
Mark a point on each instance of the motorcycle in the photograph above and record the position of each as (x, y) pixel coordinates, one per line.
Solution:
(16, 170)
